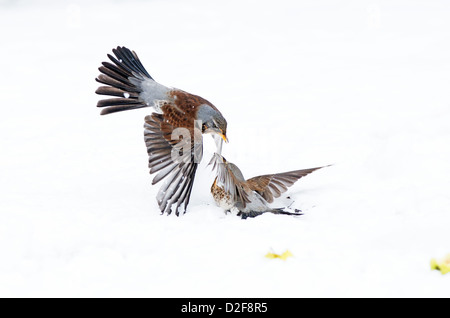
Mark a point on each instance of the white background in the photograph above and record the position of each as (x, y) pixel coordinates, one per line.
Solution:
(363, 85)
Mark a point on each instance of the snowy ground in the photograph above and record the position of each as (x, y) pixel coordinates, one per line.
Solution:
(363, 85)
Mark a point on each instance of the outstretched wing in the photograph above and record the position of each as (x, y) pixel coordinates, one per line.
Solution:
(230, 177)
(174, 155)
(273, 185)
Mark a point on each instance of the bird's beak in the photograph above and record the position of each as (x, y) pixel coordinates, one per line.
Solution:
(224, 137)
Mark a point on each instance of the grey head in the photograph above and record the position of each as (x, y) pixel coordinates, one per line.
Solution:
(212, 121)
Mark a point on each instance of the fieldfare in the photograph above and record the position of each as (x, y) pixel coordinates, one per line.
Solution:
(251, 197)
(173, 132)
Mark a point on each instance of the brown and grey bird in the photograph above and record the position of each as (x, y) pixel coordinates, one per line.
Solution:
(173, 132)
(252, 196)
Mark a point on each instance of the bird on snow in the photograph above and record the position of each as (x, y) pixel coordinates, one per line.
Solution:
(250, 197)
(173, 132)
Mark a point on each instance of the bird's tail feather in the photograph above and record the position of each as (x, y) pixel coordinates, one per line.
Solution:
(282, 211)
(253, 214)
(122, 78)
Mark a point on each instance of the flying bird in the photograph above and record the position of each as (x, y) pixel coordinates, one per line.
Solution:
(173, 132)
(252, 196)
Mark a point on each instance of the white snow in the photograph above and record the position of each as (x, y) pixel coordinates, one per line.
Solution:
(362, 85)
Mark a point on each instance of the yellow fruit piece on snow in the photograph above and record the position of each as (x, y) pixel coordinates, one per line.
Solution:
(442, 265)
(283, 256)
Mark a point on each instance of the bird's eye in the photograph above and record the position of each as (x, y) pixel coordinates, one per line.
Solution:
(204, 128)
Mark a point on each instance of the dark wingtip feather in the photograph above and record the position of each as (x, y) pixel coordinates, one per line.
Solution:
(119, 108)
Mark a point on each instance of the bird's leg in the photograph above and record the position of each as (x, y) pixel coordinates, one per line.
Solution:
(289, 206)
